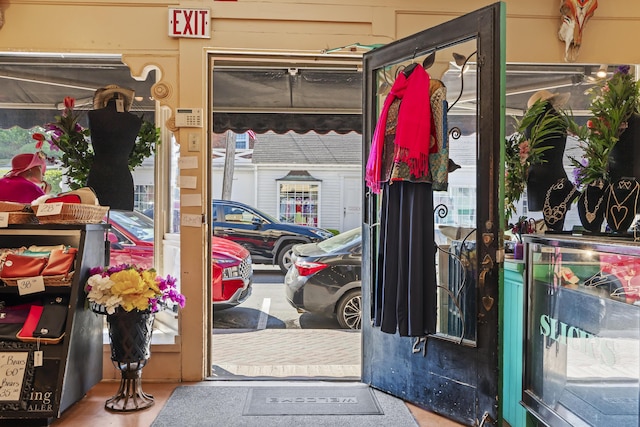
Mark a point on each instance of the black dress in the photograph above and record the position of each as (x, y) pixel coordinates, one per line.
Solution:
(113, 135)
(405, 292)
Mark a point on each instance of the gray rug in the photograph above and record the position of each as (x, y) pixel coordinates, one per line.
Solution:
(225, 404)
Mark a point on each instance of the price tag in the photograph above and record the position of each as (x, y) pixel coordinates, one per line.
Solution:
(49, 209)
(4, 219)
(37, 358)
(30, 285)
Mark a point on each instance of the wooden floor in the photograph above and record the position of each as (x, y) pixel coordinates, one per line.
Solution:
(90, 410)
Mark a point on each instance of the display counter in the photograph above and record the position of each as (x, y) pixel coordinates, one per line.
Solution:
(582, 330)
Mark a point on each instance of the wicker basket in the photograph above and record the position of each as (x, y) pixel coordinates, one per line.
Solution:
(74, 213)
(22, 218)
(57, 280)
(19, 213)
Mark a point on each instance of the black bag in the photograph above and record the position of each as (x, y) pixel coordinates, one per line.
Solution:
(52, 321)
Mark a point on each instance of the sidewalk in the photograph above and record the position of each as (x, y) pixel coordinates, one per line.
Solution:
(286, 353)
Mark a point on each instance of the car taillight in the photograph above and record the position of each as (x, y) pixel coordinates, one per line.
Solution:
(306, 268)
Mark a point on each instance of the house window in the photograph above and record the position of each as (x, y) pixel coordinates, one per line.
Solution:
(242, 141)
(298, 202)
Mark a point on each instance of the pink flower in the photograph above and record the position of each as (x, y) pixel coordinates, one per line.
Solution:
(524, 151)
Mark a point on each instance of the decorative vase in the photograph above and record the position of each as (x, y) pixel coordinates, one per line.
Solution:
(622, 204)
(130, 336)
(592, 205)
(557, 202)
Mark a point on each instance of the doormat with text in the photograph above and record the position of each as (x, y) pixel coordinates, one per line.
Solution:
(300, 400)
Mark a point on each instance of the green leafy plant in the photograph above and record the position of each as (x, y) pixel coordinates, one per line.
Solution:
(613, 103)
(67, 136)
(522, 152)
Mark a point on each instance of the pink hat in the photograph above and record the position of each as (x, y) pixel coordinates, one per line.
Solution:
(26, 161)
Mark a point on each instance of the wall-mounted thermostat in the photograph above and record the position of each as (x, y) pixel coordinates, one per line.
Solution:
(189, 117)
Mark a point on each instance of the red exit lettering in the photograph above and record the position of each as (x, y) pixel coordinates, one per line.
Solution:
(189, 23)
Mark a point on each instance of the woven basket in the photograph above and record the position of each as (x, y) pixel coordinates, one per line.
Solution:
(22, 218)
(74, 213)
(57, 280)
(19, 213)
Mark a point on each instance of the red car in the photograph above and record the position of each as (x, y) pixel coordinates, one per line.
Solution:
(131, 238)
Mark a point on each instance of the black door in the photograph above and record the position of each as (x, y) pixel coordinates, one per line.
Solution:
(452, 369)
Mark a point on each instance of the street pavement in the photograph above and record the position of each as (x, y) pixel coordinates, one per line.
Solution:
(282, 350)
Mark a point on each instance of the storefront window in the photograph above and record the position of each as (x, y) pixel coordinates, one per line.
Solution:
(299, 202)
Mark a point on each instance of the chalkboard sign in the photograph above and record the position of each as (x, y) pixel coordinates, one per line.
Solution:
(16, 375)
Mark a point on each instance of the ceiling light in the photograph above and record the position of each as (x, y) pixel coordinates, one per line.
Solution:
(602, 71)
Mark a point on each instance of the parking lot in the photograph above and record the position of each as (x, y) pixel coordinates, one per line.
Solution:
(265, 337)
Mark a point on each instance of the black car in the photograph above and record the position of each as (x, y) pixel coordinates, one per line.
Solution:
(268, 240)
(325, 278)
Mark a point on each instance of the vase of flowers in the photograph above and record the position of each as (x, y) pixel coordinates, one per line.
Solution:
(130, 296)
(523, 226)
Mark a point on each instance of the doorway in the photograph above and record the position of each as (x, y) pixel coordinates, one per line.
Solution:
(287, 151)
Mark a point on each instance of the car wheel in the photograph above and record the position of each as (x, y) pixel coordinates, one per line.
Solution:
(349, 311)
(284, 257)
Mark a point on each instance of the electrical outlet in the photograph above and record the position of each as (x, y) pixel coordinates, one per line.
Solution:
(194, 141)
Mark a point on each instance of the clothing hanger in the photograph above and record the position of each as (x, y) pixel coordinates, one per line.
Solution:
(409, 68)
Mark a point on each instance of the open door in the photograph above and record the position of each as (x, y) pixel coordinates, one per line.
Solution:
(451, 368)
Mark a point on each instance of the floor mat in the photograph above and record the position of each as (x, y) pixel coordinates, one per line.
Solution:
(354, 400)
(224, 404)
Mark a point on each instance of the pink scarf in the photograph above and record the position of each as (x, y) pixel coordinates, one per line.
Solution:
(413, 131)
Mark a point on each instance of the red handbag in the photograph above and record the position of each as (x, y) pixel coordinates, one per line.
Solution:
(22, 266)
(60, 262)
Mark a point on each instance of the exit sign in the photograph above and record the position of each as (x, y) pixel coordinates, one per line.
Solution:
(192, 23)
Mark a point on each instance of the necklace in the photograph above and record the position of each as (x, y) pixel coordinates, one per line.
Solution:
(553, 214)
(590, 216)
(619, 211)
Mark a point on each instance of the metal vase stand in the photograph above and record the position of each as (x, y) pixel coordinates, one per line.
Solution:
(130, 336)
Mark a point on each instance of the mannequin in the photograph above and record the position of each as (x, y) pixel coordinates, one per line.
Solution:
(624, 159)
(113, 134)
(542, 176)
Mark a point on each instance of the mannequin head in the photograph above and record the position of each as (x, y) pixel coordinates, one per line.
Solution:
(110, 93)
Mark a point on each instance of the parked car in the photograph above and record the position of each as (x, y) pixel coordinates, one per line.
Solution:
(325, 278)
(131, 238)
(268, 240)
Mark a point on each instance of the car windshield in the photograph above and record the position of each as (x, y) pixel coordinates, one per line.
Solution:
(341, 241)
(135, 223)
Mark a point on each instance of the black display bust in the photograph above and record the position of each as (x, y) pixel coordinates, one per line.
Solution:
(113, 136)
(541, 177)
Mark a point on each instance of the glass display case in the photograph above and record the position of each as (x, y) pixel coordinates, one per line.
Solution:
(582, 349)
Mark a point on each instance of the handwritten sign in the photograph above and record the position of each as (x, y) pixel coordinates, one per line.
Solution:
(12, 368)
(30, 285)
(4, 219)
(49, 209)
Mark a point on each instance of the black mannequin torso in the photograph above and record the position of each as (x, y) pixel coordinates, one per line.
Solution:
(624, 160)
(113, 136)
(542, 176)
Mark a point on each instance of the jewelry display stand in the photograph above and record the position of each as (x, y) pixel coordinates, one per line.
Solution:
(622, 204)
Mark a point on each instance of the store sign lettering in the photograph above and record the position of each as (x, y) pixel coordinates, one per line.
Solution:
(190, 23)
(578, 339)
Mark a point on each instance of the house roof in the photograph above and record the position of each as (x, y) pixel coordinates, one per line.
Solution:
(309, 148)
